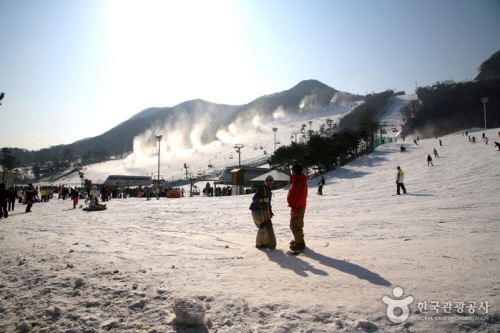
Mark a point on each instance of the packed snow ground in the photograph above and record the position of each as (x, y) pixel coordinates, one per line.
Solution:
(65, 270)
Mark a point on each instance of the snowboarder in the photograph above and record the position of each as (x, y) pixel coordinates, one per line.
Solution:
(400, 181)
(95, 205)
(320, 185)
(429, 160)
(296, 198)
(435, 153)
(262, 213)
(497, 145)
(402, 149)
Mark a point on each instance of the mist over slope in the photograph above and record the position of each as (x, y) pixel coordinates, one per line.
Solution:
(198, 122)
(257, 139)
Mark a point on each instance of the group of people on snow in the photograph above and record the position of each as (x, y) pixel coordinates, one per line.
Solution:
(22, 194)
(261, 210)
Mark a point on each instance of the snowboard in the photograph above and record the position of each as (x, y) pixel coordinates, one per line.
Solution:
(270, 237)
(293, 253)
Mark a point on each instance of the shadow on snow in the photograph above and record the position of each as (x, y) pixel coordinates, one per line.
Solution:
(301, 267)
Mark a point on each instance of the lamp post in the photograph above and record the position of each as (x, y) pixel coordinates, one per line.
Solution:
(484, 101)
(294, 133)
(158, 138)
(275, 129)
(238, 150)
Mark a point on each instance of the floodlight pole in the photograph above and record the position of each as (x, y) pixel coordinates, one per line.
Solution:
(158, 138)
(484, 101)
(275, 129)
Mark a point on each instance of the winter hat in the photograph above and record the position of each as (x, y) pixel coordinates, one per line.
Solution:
(297, 168)
(269, 179)
(399, 168)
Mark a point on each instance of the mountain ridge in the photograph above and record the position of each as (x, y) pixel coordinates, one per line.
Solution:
(307, 94)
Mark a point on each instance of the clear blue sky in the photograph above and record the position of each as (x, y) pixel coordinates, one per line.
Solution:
(75, 69)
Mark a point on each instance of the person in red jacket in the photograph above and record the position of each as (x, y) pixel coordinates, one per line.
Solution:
(296, 198)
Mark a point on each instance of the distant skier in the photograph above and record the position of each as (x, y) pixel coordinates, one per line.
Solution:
(320, 185)
(415, 142)
(497, 145)
(402, 149)
(436, 153)
(440, 142)
(400, 181)
(429, 160)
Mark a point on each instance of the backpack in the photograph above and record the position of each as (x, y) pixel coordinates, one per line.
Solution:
(261, 191)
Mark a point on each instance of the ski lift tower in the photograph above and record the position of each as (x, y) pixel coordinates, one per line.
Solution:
(275, 129)
(188, 172)
(238, 150)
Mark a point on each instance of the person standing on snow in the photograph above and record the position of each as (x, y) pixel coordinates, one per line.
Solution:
(30, 197)
(435, 153)
(400, 181)
(261, 201)
(4, 196)
(320, 185)
(74, 196)
(429, 160)
(296, 198)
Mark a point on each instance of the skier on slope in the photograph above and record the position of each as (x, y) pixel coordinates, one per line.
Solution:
(399, 181)
(320, 185)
